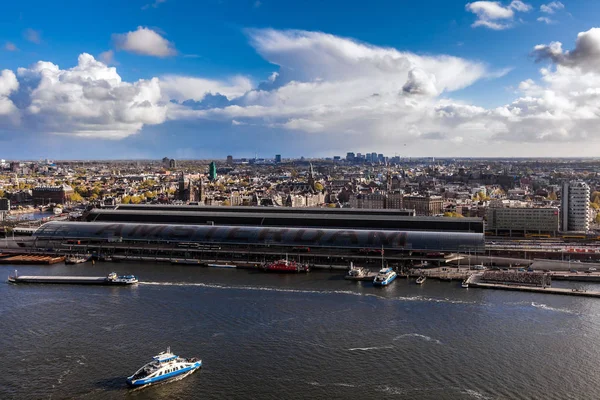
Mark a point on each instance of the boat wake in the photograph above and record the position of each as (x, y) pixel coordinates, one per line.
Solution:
(305, 291)
(419, 336)
(475, 394)
(370, 348)
(548, 308)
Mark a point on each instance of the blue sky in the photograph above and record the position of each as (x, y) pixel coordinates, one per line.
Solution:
(349, 76)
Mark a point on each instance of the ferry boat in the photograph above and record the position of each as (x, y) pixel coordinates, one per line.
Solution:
(286, 266)
(385, 277)
(421, 280)
(164, 367)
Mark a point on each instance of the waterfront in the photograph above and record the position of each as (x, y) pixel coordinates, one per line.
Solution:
(293, 336)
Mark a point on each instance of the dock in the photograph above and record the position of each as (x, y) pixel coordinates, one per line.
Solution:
(473, 282)
(369, 277)
(31, 259)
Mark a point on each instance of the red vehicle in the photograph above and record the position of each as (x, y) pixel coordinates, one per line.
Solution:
(301, 248)
(286, 266)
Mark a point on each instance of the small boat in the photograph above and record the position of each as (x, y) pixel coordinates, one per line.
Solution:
(385, 277)
(221, 265)
(465, 283)
(164, 367)
(77, 259)
(286, 266)
(57, 211)
(420, 280)
(359, 274)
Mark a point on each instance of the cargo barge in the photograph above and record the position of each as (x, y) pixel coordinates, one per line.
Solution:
(111, 280)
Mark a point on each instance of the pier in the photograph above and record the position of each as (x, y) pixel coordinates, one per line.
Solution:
(30, 259)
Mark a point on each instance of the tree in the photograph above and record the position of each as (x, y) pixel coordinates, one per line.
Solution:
(2, 193)
(595, 194)
(136, 200)
(595, 206)
(597, 219)
(226, 203)
(552, 196)
(150, 195)
(76, 198)
(318, 186)
(126, 199)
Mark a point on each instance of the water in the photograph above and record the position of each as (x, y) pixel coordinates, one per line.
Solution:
(269, 336)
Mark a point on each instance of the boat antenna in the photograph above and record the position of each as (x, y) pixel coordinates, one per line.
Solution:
(381, 256)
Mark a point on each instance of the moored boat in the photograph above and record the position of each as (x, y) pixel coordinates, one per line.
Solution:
(359, 274)
(420, 280)
(77, 259)
(385, 277)
(164, 367)
(465, 283)
(286, 265)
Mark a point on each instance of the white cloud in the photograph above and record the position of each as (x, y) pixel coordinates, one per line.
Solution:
(585, 56)
(550, 8)
(8, 85)
(10, 47)
(33, 36)
(155, 4)
(88, 100)
(180, 88)
(494, 15)
(107, 57)
(546, 20)
(144, 41)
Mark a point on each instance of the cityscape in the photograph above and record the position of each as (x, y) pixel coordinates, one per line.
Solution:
(256, 199)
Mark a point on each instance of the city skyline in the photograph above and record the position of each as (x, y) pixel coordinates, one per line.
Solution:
(202, 81)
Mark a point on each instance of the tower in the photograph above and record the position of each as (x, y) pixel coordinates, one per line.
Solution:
(212, 171)
(575, 206)
(311, 177)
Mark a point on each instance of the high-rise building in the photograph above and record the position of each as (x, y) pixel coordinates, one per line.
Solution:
(229, 160)
(350, 157)
(172, 164)
(212, 171)
(278, 158)
(575, 207)
(373, 157)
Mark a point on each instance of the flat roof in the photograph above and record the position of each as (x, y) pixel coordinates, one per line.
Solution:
(299, 219)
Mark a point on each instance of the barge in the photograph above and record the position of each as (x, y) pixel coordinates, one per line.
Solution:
(111, 279)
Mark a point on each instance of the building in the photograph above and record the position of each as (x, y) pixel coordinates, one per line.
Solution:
(523, 220)
(278, 158)
(43, 195)
(424, 205)
(186, 190)
(350, 157)
(229, 160)
(394, 200)
(372, 201)
(165, 162)
(575, 207)
(212, 171)
(4, 205)
(172, 164)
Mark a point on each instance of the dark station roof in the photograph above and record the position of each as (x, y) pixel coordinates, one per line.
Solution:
(306, 218)
(277, 236)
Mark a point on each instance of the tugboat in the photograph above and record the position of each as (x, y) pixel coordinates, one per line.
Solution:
(420, 280)
(286, 266)
(164, 367)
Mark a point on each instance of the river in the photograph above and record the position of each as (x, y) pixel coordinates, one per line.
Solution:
(270, 336)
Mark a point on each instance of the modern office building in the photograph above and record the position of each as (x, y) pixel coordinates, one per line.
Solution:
(278, 158)
(212, 171)
(575, 207)
(522, 220)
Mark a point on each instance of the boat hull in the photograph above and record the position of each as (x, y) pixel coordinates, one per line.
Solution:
(385, 282)
(68, 281)
(180, 374)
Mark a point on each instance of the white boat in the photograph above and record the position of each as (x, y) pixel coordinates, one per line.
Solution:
(385, 277)
(221, 265)
(57, 211)
(465, 283)
(421, 280)
(77, 259)
(359, 273)
(164, 367)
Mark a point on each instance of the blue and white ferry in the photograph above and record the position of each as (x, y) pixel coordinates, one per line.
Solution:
(385, 277)
(164, 367)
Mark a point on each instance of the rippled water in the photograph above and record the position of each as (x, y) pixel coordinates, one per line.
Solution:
(272, 336)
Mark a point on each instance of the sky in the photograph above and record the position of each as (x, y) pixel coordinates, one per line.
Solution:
(145, 79)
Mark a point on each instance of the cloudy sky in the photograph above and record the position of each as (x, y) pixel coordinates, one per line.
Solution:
(204, 79)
